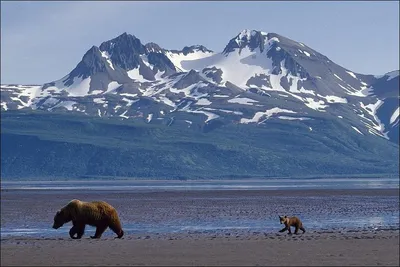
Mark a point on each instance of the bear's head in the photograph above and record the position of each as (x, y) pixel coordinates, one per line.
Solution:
(282, 219)
(61, 217)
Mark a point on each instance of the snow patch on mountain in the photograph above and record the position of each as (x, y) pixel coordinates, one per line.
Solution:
(293, 86)
(123, 115)
(351, 74)
(221, 96)
(318, 105)
(107, 57)
(334, 99)
(129, 101)
(268, 113)
(371, 109)
(395, 116)
(239, 68)
(337, 77)
(145, 60)
(293, 118)
(190, 91)
(166, 101)
(304, 52)
(149, 117)
(79, 87)
(69, 105)
(224, 110)
(182, 61)
(236, 68)
(100, 100)
(4, 106)
(96, 92)
(134, 74)
(20, 101)
(392, 75)
(242, 101)
(29, 91)
(203, 102)
(210, 116)
(112, 86)
(362, 93)
(129, 95)
(356, 129)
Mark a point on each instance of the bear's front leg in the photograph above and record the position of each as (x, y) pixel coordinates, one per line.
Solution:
(290, 231)
(283, 230)
(78, 229)
(73, 231)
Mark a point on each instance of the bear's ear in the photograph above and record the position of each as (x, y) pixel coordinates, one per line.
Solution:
(285, 216)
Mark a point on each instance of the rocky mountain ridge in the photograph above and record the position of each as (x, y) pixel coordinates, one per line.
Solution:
(260, 82)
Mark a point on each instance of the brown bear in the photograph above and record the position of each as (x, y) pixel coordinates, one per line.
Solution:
(291, 221)
(97, 213)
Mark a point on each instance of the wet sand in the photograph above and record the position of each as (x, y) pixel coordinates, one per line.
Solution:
(318, 249)
(342, 245)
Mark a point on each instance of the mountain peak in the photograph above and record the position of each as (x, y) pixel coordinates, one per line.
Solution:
(247, 38)
(125, 35)
(124, 41)
(193, 48)
(124, 50)
(93, 49)
(247, 34)
(153, 47)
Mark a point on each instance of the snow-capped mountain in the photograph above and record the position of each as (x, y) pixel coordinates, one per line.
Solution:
(258, 77)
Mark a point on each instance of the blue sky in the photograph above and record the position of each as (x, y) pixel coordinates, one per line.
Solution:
(43, 41)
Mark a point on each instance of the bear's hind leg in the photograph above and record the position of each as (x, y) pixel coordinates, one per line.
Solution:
(99, 231)
(302, 229)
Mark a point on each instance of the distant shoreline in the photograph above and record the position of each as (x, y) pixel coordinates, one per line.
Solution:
(219, 179)
(273, 184)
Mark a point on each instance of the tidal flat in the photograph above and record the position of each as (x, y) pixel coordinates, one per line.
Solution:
(206, 227)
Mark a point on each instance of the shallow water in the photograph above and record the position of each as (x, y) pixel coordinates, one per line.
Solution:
(28, 208)
(267, 184)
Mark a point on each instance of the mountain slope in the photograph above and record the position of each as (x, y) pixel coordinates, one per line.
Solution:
(259, 81)
(51, 145)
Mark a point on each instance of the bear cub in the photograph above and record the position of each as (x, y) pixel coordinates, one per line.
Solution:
(291, 221)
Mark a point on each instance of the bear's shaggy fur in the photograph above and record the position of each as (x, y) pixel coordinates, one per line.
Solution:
(97, 213)
(291, 221)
